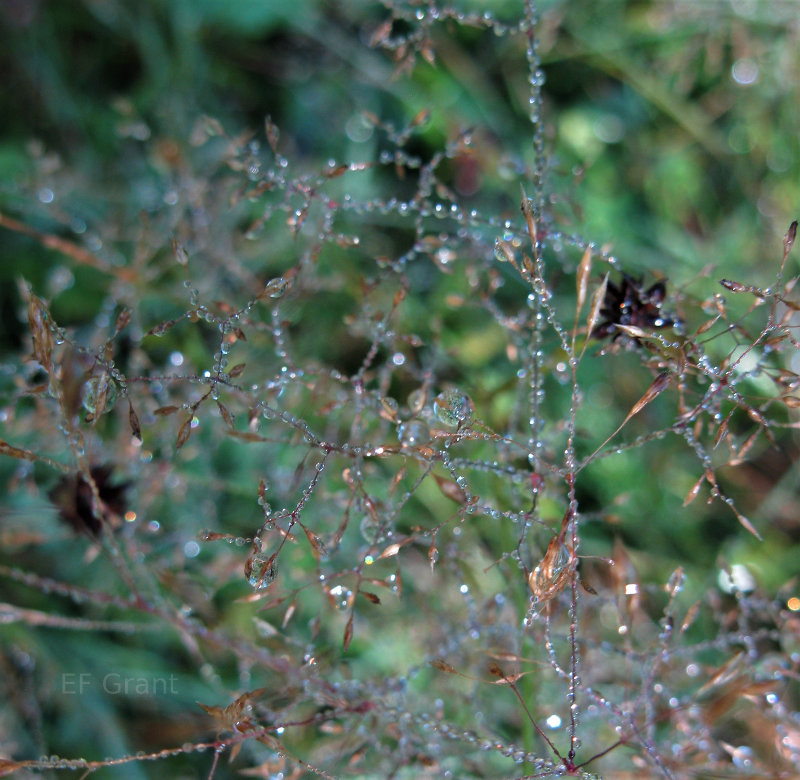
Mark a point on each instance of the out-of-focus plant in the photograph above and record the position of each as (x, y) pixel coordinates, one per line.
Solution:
(392, 467)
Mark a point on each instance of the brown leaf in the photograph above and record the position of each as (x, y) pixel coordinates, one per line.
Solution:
(379, 36)
(693, 491)
(746, 523)
(236, 370)
(161, 328)
(788, 239)
(598, 299)
(370, 596)
(9, 767)
(179, 253)
(272, 133)
(584, 269)
(659, 384)
(634, 332)
(317, 545)
(288, 614)
(553, 572)
(163, 411)
(707, 325)
(451, 489)
(39, 321)
(722, 431)
(348, 632)
(123, 318)
(391, 550)
(133, 419)
(433, 555)
(443, 666)
(335, 172)
(184, 432)
(421, 118)
(527, 212)
(247, 436)
(225, 414)
(690, 616)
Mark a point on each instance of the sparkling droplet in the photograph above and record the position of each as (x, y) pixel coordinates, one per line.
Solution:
(99, 391)
(416, 400)
(276, 287)
(341, 596)
(454, 408)
(413, 433)
(261, 570)
(372, 529)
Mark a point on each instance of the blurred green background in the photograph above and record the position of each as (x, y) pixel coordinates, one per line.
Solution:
(672, 137)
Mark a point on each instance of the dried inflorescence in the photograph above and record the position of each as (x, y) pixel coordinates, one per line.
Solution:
(77, 505)
(629, 305)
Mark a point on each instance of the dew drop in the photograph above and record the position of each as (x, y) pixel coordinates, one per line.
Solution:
(371, 529)
(413, 433)
(99, 391)
(341, 596)
(454, 408)
(276, 287)
(261, 571)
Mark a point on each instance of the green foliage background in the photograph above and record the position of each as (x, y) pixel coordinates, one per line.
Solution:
(655, 151)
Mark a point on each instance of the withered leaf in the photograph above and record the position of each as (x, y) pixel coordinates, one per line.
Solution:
(451, 489)
(584, 270)
(421, 118)
(707, 325)
(225, 414)
(348, 632)
(690, 616)
(693, 491)
(433, 555)
(390, 551)
(443, 666)
(163, 411)
(336, 171)
(527, 212)
(746, 523)
(133, 419)
(179, 253)
(659, 384)
(272, 133)
(382, 32)
(39, 321)
(184, 432)
(8, 767)
(123, 318)
(788, 239)
(598, 298)
(722, 431)
(317, 545)
(247, 436)
(370, 596)
(288, 614)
